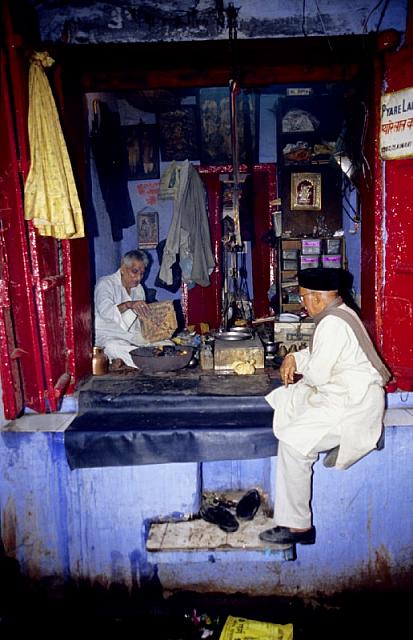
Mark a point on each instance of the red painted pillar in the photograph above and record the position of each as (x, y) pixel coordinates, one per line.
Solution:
(397, 272)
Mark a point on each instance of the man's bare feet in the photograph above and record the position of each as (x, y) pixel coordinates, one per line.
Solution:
(116, 364)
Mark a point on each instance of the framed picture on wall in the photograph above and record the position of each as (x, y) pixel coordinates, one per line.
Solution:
(179, 134)
(305, 192)
(148, 229)
(215, 123)
(142, 145)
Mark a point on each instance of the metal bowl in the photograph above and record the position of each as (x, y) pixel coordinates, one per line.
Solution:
(233, 335)
(152, 359)
(241, 329)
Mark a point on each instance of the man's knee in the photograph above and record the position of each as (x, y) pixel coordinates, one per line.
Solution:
(115, 348)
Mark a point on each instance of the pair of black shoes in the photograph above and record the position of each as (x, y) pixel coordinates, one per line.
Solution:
(220, 515)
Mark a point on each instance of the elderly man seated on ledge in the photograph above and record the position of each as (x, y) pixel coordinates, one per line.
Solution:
(119, 307)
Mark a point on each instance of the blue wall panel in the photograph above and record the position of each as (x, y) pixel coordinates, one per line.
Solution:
(91, 523)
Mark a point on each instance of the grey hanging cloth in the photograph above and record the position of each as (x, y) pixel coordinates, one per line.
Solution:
(111, 162)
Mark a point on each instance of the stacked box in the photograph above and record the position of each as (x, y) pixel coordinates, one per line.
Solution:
(290, 259)
(290, 333)
(333, 246)
(290, 265)
(308, 262)
(311, 246)
(331, 261)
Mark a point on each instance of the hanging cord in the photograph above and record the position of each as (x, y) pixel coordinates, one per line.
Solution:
(323, 25)
(376, 6)
(303, 21)
(356, 218)
(364, 161)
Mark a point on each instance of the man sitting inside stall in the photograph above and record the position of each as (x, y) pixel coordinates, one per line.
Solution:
(120, 307)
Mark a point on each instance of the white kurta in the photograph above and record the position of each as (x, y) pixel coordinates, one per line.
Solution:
(340, 391)
(114, 331)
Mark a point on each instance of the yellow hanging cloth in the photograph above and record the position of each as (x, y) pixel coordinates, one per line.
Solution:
(50, 194)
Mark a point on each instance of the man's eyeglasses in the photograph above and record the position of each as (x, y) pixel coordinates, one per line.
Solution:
(304, 295)
(136, 270)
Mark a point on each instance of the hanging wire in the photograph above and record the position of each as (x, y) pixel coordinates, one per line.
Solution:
(364, 161)
(303, 20)
(386, 4)
(376, 6)
(348, 186)
(323, 25)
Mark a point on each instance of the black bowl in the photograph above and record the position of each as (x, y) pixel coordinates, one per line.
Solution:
(152, 359)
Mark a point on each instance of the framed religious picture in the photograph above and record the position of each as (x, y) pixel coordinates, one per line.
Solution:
(305, 192)
(179, 134)
(142, 146)
(148, 229)
(215, 124)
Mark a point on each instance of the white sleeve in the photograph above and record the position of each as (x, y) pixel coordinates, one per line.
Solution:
(106, 303)
(301, 358)
(330, 340)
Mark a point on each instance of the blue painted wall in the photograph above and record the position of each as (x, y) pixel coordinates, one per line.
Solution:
(92, 523)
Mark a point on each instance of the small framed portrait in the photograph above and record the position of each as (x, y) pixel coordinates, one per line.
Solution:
(148, 229)
(142, 147)
(306, 192)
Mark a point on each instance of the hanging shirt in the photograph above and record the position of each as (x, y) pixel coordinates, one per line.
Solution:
(189, 234)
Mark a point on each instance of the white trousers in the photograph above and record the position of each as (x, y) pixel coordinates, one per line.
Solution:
(121, 349)
(293, 483)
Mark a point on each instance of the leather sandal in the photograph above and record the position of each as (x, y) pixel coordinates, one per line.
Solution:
(248, 506)
(220, 516)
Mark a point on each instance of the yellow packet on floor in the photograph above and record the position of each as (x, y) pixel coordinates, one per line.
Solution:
(243, 629)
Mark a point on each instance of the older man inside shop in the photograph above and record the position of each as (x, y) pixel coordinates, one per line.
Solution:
(119, 308)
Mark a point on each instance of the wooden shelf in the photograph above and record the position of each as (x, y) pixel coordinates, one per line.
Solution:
(288, 278)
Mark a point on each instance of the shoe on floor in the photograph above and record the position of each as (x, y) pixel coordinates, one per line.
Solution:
(330, 458)
(248, 506)
(283, 535)
(220, 516)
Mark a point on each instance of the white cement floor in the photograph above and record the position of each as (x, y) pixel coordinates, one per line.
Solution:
(201, 535)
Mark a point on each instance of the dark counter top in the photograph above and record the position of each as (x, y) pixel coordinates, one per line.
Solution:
(185, 416)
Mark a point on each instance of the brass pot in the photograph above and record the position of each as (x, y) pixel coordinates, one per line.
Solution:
(100, 362)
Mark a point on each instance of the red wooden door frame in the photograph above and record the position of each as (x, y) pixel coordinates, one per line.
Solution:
(17, 288)
(39, 289)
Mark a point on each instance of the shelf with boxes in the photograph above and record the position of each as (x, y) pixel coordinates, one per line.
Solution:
(296, 254)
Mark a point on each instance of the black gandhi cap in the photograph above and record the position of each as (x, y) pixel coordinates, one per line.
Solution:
(324, 279)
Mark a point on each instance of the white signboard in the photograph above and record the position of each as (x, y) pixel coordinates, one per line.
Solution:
(396, 127)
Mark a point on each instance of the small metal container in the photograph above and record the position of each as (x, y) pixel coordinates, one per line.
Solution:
(233, 335)
(100, 362)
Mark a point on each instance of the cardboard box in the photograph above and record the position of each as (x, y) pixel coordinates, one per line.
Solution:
(309, 262)
(311, 246)
(290, 333)
(331, 262)
(228, 352)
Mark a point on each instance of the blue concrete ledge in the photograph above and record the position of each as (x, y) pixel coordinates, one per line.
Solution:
(399, 400)
(240, 556)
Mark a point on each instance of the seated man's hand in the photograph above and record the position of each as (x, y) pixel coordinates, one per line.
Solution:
(288, 369)
(140, 307)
